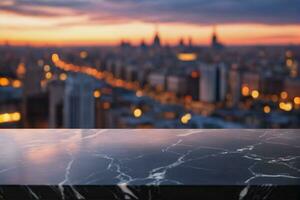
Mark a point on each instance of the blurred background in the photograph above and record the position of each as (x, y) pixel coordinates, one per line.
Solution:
(149, 64)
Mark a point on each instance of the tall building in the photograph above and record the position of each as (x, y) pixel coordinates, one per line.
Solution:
(156, 40)
(215, 44)
(56, 90)
(158, 80)
(72, 104)
(235, 84)
(213, 83)
(35, 98)
(193, 85)
(177, 83)
(291, 86)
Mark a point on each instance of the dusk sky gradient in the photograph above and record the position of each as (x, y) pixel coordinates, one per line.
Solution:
(108, 21)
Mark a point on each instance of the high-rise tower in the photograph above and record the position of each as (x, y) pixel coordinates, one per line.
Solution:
(156, 40)
(215, 44)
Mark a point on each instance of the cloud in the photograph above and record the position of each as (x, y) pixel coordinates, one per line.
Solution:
(40, 8)
(202, 12)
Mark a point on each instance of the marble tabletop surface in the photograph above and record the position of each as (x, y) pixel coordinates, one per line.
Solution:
(149, 157)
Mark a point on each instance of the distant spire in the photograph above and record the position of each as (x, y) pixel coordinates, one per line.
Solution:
(181, 42)
(156, 41)
(214, 39)
(143, 44)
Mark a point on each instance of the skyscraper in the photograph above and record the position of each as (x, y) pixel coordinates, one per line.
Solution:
(72, 104)
(213, 83)
(215, 44)
(156, 40)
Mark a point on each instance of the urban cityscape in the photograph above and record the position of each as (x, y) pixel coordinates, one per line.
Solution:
(151, 82)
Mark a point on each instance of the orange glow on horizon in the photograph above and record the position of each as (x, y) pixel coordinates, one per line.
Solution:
(170, 34)
(70, 29)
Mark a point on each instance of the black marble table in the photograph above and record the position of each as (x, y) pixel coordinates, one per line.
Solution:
(149, 164)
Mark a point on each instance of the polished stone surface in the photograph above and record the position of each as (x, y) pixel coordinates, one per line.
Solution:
(169, 157)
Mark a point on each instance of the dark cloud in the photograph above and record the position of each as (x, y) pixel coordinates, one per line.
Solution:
(52, 3)
(185, 11)
(28, 11)
(39, 7)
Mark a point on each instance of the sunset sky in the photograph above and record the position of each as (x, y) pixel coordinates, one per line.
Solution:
(106, 22)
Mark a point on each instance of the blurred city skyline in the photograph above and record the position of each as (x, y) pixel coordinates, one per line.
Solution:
(149, 64)
(89, 22)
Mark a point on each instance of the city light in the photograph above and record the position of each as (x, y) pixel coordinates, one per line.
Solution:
(297, 100)
(288, 54)
(97, 94)
(4, 82)
(83, 54)
(47, 68)
(16, 116)
(245, 91)
(10, 117)
(188, 98)
(255, 94)
(43, 83)
(289, 62)
(48, 75)
(284, 95)
(187, 56)
(40, 62)
(21, 70)
(274, 98)
(16, 84)
(63, 76)
(137, 112)
(106, 105)
(55, 57)
(186, 118)
(286, 106)
(267, 109)
(177, 75)
(195, 74)
(139, 93)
